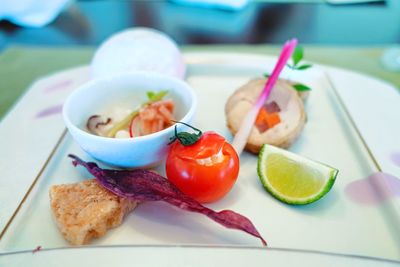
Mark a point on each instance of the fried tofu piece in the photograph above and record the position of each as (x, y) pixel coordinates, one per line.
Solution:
(86, 210)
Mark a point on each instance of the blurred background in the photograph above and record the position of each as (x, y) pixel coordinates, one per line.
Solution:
(89, 22)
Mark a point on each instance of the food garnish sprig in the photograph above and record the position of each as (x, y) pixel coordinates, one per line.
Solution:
(297, 57)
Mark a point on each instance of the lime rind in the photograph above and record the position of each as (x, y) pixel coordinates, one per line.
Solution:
(261, 170)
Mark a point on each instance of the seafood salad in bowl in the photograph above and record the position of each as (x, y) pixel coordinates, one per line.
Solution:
(127, 120)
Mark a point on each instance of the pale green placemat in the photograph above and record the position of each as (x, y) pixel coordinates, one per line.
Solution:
(20, 66)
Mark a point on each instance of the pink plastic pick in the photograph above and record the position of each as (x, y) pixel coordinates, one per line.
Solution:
(242, 135)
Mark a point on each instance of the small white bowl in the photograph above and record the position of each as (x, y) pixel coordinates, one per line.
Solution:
(126, 90)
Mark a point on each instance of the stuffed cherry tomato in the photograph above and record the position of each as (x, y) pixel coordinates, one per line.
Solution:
(205, 168)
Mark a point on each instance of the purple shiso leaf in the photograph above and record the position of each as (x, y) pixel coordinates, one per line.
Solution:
(144, 185)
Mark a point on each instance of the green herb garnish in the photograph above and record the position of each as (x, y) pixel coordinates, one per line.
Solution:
(152, 97)
(301, 87)
(185, 138)
(304, 67)
(297, 56)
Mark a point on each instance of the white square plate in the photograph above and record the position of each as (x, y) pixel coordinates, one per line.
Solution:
(353, 219)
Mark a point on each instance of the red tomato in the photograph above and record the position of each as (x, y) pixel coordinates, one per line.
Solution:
(206, 170)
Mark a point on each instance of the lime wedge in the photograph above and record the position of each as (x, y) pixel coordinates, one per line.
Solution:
(291, 178)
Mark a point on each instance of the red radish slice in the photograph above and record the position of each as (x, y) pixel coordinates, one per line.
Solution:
(134, 127)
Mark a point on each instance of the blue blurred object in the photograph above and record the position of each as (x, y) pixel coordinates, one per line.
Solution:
(343, 2)
(31, 13)
(232, 5)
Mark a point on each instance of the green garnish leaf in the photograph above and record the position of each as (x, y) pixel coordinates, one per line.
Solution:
(266, 75)
(150, 94)
(297, 55)
(304, 67)
(185, 138)
(154, 97)
(301, 87)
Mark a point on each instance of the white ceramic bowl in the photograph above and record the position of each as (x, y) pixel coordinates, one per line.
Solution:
(126, 90)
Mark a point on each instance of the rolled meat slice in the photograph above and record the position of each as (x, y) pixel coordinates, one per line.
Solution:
(292, 114)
